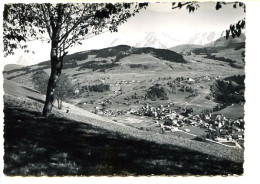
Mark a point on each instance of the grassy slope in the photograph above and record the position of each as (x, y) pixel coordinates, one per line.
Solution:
(64, 142)
(10, 67)
(184, 47)
(234, 111)
(230, 50)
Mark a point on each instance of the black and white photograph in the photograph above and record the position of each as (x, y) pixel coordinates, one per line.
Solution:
(124, 88)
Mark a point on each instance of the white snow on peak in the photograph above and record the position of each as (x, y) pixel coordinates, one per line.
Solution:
(203, 38)
(148, 39)
(164, 40)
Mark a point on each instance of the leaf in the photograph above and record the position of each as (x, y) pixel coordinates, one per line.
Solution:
(218, 6)
(179, 4)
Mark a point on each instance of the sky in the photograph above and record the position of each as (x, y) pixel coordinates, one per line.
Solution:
(157, 18)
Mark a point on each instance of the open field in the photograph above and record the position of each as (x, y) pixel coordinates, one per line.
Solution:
(233, 111)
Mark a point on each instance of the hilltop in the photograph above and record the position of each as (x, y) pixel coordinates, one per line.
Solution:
(231, 50)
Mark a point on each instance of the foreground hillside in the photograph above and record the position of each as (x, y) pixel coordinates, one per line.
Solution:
(34, 146)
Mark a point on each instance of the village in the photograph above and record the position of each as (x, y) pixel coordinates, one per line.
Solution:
(202, 127)
(170, 118)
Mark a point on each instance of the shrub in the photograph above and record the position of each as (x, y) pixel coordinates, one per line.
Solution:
(40, 81)
(200, 138)
(64, 87)
(157, 91)
(229, 90)
(97, 87)
(168, 122)
(138, 66)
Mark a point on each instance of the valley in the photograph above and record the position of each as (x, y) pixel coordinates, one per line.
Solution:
(115, 82)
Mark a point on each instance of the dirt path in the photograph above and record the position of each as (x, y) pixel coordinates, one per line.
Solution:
(76, 111)
(189, 103)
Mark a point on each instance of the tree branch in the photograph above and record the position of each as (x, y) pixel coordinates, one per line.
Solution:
(46, 20)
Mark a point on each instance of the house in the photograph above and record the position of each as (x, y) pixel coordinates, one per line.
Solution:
(186, 130)
(239, 137)
(220, 139)
(190, 81)
(115, 88)
(76, 91)
(223, 132)
(174, 129)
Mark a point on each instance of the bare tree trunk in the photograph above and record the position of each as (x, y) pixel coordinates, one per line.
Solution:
(59, 100)
(56, 59)
(58, 103)
(56, 66)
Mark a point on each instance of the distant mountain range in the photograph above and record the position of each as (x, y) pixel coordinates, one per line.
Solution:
(161, 41)
(165, 41)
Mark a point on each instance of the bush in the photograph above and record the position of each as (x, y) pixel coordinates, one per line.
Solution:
(40, 81)
(200, 138)
(97, 87)
(157, 91)
(138, 66)
(64, 87)
(229, 90)
(168, 122)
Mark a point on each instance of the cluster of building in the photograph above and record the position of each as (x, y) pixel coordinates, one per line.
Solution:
(109, 112)
(155, 112)
(189, 80)
(127, 82)
(218, 127)
(222, 129)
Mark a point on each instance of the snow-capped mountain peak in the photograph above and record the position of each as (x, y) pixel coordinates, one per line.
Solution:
(148, 39)
(157, 40)
(164, 40)
(203, 38)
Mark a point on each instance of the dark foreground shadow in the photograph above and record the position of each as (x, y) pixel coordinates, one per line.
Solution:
(36, 146)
